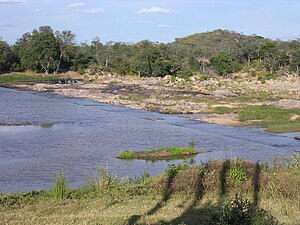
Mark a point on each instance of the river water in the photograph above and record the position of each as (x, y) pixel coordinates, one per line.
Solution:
(87, 135)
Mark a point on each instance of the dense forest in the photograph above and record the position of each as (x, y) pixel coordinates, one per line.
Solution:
(219, 52)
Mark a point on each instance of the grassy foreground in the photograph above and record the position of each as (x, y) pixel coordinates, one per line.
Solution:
(218, 192)
(160, 153)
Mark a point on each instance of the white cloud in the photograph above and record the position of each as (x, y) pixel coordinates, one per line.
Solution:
(75, 5)
(164, 26)
(38, 10)
(154, 10)
(11, 1)
(94, 10)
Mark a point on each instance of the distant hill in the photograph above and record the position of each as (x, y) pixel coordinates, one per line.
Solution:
(216, 41)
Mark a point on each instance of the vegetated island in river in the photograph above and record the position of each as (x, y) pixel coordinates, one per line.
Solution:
(160, 153)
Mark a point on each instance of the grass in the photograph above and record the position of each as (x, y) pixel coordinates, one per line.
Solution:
(160, 153)
(60, 188)
(271, 118)
(17, 78)
(198, 194)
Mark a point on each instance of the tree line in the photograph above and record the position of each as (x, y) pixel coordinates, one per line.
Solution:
(219, 52)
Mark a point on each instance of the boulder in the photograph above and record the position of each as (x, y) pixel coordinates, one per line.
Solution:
(297, 138)
(224, 93)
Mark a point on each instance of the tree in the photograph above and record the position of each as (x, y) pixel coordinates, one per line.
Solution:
(120, 58)
(66, 40)
(42, 51)
(151, 59)
(294, 53)
(83, 57)
(6, 57)
(19, 50)
(270, 53)
(249, 46)
(224, 63)
(98, 50)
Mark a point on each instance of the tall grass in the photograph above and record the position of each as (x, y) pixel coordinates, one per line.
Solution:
(103, 180)
(60, 188)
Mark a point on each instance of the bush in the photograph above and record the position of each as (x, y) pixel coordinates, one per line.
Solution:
(224, 63)
(184, 74)
(237, 173)
(241, 211)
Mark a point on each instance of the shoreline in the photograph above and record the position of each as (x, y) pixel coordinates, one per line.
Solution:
(183, 97)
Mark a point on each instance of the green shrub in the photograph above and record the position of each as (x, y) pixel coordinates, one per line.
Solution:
(174, 169)
(140, 179)
(225, 63)
(184, 73)
(241, 211)
(107, 180)
(237, 173)
(204, 77)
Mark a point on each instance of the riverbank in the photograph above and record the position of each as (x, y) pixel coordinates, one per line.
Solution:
(227, 101)
(183, 194)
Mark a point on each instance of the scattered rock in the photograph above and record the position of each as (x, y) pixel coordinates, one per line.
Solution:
(167, 78)
(289, 104)
(153, 119)
(297, 138)
(295, 117)
(224, 93)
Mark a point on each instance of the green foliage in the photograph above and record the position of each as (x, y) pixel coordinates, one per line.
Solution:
(271, 55)
(224, 110)
(174, 169)
(240, 211)
(60, 188)
(6, 57)
(160, 153)
(184, 73)
(224, 63)
(14, 78)
(107, 181)
(140, 179)
(237, 173)
(127, 155)
(204, 77)
(271, 118)
(102, 181)
(42, 51)
(66, 40)
(151, 60)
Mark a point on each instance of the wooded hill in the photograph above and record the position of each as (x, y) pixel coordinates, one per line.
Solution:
(219, 52)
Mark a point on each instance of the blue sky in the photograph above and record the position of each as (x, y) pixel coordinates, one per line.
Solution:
(162, 21)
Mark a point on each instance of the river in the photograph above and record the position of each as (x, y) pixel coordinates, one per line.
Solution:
(86, 135)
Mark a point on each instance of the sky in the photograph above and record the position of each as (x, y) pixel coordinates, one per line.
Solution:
(159, 21)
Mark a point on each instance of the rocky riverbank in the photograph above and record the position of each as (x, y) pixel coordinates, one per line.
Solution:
(199, 94)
